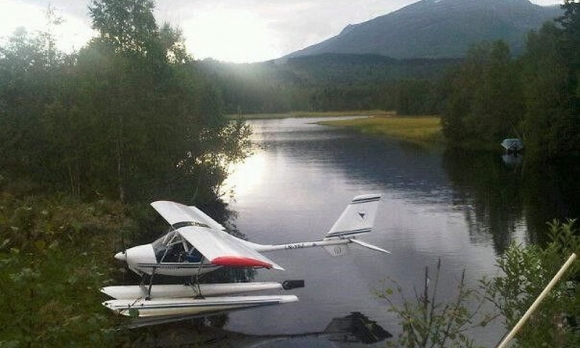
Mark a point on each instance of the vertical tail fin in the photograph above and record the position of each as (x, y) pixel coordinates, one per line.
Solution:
(357, 218)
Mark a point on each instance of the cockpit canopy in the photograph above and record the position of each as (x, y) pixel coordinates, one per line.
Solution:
(172, 247)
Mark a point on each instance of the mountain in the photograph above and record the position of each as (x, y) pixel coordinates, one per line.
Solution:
(438, 29)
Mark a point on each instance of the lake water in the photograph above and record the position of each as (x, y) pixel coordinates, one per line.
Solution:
(460, 208)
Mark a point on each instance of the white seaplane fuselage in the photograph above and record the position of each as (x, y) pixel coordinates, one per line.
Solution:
(196, 244)
(142, 259)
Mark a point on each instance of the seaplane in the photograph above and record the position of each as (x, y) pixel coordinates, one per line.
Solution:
(196, 244)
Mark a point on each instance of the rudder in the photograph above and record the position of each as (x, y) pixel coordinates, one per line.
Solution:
(357, 218)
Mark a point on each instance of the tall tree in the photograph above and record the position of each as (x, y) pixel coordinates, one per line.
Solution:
(127, 25)
(484, 102)
(498, 106)
(159, 120)
(26, 85)
(552, 74)
(570, 41)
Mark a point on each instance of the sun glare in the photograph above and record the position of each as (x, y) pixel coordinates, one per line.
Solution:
(71, 35)
(229, 35)
(14, 14)
(245, 176)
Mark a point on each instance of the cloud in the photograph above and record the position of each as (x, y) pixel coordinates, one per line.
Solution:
(236, 30)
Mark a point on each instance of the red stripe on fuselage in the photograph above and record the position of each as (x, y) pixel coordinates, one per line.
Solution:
(236, 261)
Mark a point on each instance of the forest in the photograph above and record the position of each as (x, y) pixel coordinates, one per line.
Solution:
(88, 138)
(128, 117)
(329, 82)
(535, 97)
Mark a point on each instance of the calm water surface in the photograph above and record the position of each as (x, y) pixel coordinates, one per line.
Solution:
(461, 208)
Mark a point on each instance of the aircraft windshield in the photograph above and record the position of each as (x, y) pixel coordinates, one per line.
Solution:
(174, 248)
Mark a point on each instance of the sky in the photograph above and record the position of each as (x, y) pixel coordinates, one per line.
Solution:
(239, 31)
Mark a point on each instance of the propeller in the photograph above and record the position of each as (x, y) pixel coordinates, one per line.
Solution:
(122, 255)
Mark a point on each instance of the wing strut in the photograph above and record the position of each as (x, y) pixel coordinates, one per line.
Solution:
(151, 283)
(195, 281)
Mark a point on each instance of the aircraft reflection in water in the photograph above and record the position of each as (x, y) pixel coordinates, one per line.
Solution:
(196, 244)
(355, 328)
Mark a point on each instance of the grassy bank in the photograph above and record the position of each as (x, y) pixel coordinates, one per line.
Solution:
(298, 114)
(418, 129)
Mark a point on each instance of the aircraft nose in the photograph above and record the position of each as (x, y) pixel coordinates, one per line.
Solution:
(121, 256)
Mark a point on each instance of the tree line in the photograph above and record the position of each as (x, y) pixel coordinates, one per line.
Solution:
(329, 82)
(128, 116)
(535, 97)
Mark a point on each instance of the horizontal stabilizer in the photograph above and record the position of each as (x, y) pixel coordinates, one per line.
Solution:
(370, 246)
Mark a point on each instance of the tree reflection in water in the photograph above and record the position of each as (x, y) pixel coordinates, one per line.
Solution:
(502, 197)
(355, 328)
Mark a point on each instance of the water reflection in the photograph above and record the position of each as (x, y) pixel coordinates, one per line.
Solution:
(512, 160)
(550, 191)
(353, 329)
(509, 199)
(488, 193)
(307, 176)
(463, 208)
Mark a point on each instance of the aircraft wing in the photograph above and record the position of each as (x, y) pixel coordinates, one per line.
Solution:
(223, 249)
(175, 213)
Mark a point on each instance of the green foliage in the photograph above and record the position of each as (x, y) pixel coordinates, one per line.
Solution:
(52, 266)
(535, 97)
(422, 130)
(326, 82)
(416, 97)
(548, 124)
(527, 270)
(428, 322)
(127, 25)
(484, 104)
(130, 116)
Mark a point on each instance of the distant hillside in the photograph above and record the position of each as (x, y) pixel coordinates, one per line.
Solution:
(325, 82)
(439, 29)
(365, 69)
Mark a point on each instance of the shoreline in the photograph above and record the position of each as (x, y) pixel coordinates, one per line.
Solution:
(424, 130)
(306, 114)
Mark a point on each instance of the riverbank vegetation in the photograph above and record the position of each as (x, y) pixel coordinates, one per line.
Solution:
(424, 130)
(55, 255)
(311, 114)
(427, 321)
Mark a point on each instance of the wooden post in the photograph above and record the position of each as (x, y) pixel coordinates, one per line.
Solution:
(537, 302)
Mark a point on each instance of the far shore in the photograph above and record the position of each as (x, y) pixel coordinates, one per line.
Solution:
(424, 130)
(304, 114)
(419, 129)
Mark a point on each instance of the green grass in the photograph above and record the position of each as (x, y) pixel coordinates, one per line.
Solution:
(298, 114)
(418, 129)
